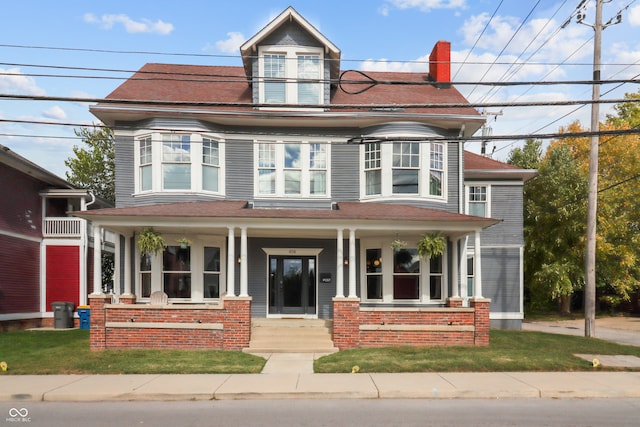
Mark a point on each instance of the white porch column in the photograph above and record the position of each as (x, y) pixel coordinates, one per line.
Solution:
(97, 259)
(477, 269)
(463, 269)
(127, 265)
(244, 279)
(352, 263)
(231, 262)
(117, 274)
(340, 265)
(455, 270)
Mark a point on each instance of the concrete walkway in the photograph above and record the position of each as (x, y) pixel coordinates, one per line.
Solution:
(621, 330)
(92, 388)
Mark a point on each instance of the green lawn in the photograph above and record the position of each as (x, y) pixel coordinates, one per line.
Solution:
(508, 351)
(67, 352)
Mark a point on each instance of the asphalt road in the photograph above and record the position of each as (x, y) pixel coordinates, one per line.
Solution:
(334, 413)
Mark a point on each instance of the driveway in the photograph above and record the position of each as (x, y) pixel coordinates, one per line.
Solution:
(622, 330)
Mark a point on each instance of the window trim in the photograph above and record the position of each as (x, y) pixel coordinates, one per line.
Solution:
(305, 170)
(196, 163)
(291, 53)
(386, 169)
(467, 188)
(388, 276)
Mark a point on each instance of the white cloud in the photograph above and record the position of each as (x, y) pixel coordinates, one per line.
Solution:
(427, 5)
(634, 16)
(13, 81)
(142, 26)
(55, 113)
(232, 43)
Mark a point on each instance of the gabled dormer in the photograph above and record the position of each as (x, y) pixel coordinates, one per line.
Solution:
(290, 62)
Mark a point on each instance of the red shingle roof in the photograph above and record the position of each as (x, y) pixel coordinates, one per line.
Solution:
(473, 161)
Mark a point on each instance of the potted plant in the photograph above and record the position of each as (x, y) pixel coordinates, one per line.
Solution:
(184, 243)
(431, 244)
(150, 241)
(398, 244)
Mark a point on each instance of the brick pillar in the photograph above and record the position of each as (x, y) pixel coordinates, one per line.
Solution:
(127, 299)
(98, 316)
(237, 323)
(481, 320)
(454, 302)
(346, 323)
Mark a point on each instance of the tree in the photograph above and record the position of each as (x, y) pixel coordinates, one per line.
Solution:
(554, 229)
(527, 157)
(93, 166)
(628, 112)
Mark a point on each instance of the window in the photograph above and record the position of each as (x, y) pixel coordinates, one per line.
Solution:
(406, 164)
(211, 272)
(290, 75)
(145, 275)
(274, 75)
(403, 169)
(435, 278)
(406, 274)
(308, 75)
(374, 274)
(372, 170)
(146, 164)
(436, 169)
(267, 168)
(176, 162)
(176, 272)
(210, 165)
(478, 200)
(292, 169)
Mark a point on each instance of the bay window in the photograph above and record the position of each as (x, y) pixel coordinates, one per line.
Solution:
(176, 162)
(403, 169)
(210, 165)
(146, 164)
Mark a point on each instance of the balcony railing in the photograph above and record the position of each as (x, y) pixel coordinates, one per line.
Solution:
(62, 227)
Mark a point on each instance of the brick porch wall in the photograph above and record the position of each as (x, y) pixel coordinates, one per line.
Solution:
(355, 326)
(226, 326)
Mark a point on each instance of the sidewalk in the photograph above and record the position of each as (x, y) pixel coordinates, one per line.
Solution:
(92, 388)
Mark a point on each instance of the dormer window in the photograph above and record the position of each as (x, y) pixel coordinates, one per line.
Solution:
(291, 75)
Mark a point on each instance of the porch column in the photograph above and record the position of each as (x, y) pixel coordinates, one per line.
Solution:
(97, 259)
(352, 263)
(464, 273)
(455, 270)
(127, 265)
(477, 267)
(231, 263)
(340, 266)
(244, 280)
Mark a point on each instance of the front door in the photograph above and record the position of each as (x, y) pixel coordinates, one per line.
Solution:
(292, 285)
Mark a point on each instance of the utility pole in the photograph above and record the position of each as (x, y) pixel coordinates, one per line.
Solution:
(592, 202)
(487, 131)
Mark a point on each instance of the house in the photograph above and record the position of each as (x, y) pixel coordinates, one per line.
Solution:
(44, 250)
(303, 190)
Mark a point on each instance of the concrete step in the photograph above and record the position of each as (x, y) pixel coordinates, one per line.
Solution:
(291, 336)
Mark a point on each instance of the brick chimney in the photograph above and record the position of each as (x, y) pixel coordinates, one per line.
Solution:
(440, 62)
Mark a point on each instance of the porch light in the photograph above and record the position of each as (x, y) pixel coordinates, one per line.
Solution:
(346, 261)
(239, 260)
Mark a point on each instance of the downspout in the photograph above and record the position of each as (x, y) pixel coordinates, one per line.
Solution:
(85, 248)
(461, 171)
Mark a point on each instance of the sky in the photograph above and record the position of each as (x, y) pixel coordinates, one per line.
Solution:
(491, 41)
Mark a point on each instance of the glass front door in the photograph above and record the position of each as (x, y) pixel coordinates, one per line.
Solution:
(292, 285)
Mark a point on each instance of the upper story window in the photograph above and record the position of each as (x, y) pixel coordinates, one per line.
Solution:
(291, 75)
(478, 200)
(404, 169)
(292, 169)
(179, 162)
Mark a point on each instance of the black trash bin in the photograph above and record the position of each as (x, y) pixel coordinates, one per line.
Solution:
(62, 315)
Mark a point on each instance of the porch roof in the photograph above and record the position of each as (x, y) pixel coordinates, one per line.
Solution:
(240, 211)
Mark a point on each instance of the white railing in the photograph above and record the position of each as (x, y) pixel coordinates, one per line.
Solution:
(62, 227)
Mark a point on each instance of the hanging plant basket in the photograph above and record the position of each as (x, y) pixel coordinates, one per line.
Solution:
(431, 245)
(397, 244)
(184, 243)
(150, 241)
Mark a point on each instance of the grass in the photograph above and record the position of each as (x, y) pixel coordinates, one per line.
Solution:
(67, 352)
(509, 351)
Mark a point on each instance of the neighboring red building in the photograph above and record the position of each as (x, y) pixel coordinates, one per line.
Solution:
(44, 251)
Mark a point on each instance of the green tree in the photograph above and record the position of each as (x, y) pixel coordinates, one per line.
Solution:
(554, 230)
(628, 113)
(527, 157)
(93, 165)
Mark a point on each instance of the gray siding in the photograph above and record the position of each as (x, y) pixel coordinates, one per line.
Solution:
(345, 172)
(506, 205)
(501, 278)
(239, 169)
(125, 161)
